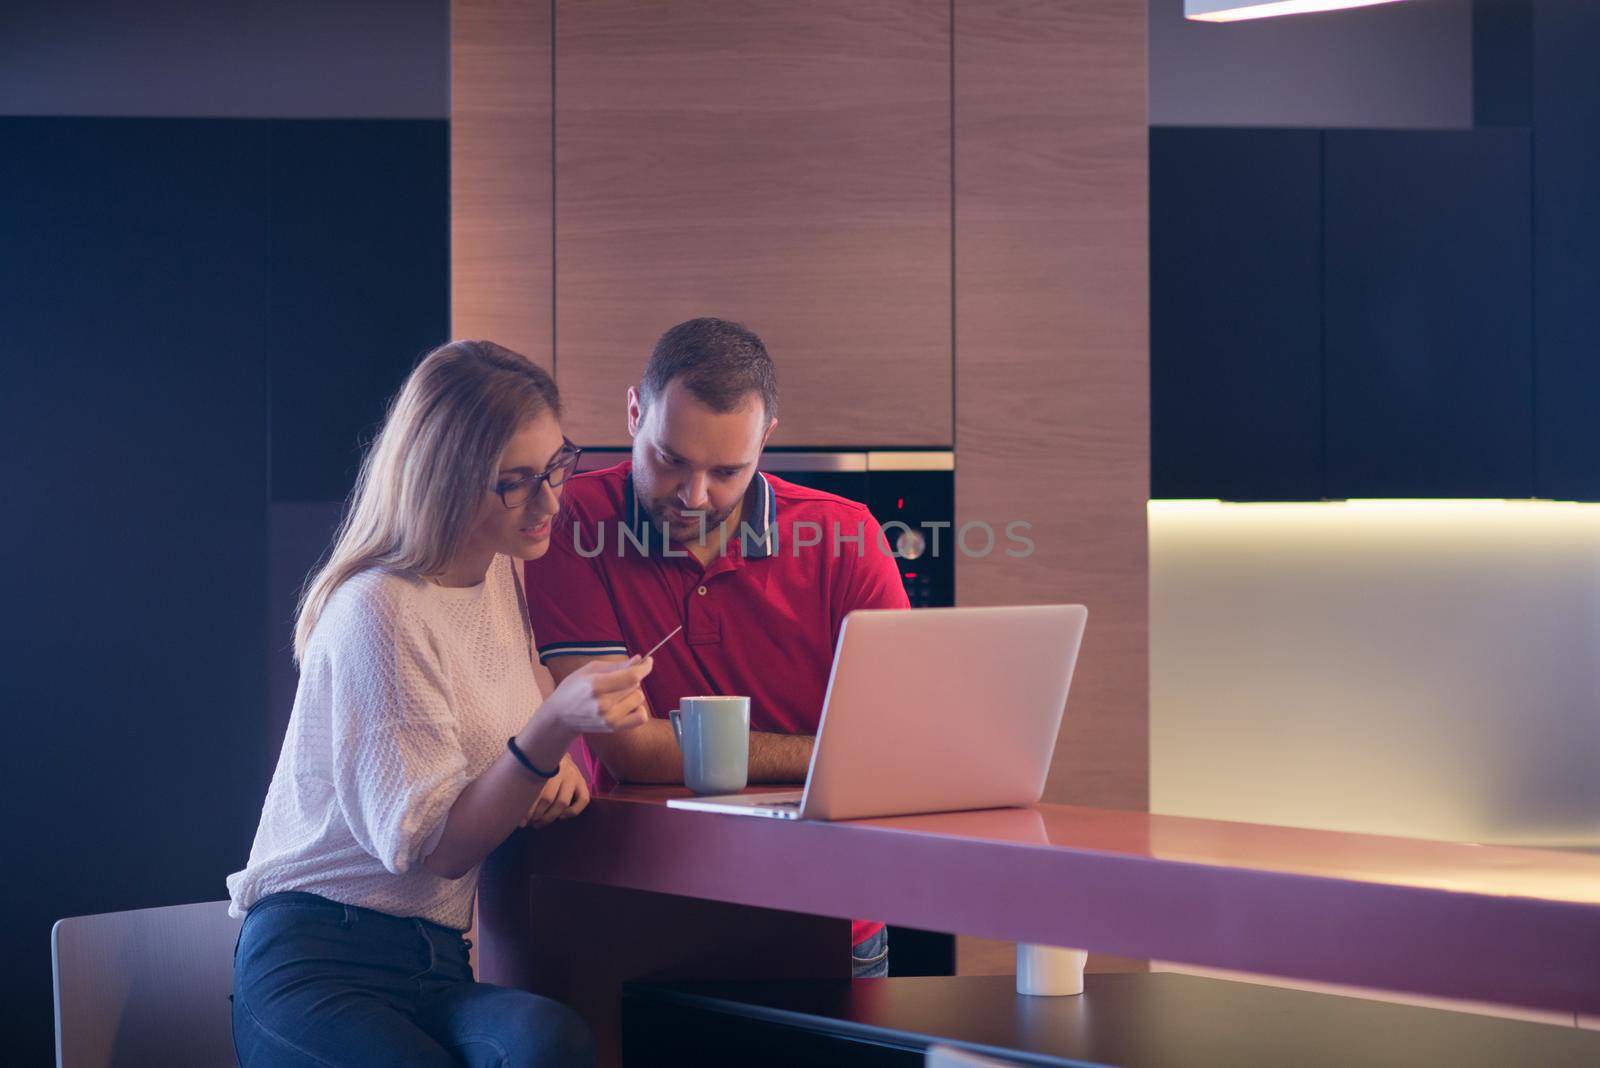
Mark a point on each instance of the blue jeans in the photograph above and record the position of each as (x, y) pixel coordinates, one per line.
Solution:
(317, 983)
(869, 958)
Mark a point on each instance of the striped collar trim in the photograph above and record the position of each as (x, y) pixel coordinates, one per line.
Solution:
(760, 537)
(759, 532)
(551, 650)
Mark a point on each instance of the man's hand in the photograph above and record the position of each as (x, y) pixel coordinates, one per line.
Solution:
(563, 797)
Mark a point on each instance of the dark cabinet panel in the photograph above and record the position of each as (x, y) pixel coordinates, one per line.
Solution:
(1502, 62)
(1235, 291)
(133, 263)
(1567, 240)
(156, 275)
(359, 286)
(1428, 308)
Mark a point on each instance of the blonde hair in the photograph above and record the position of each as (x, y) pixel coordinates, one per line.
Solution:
(423, 480)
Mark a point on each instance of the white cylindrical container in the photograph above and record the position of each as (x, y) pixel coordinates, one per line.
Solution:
(1049, 970)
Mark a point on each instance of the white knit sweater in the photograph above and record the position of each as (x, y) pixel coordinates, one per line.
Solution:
(408, 691)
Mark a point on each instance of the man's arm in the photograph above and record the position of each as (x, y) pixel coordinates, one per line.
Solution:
(782, 758)
(650, 754)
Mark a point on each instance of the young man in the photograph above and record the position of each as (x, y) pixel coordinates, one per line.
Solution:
(760, 573)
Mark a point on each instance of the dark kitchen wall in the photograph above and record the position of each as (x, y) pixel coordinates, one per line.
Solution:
(228, 59)
(1388, 312)
(1406, 65)
(203, 319)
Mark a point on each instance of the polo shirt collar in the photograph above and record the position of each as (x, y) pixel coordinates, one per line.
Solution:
(638, 521)
(758, 531)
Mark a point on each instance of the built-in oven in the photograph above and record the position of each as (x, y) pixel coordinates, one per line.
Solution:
(911, 493)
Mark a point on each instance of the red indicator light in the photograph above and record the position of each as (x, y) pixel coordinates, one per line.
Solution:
(900, 504)
(911, 574)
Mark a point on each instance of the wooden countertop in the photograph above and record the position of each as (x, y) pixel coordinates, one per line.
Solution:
(1518, 926)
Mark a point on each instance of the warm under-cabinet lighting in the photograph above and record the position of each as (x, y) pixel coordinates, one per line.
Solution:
(1238, 10)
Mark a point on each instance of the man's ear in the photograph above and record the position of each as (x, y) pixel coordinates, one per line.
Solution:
(636, 412)
(768, 434)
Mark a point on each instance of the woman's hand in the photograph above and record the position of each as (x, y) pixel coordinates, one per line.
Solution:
(563, 797)
(601, 697)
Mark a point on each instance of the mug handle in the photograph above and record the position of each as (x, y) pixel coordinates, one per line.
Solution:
(677, 726)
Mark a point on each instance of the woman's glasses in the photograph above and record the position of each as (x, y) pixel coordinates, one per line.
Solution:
(517, 494)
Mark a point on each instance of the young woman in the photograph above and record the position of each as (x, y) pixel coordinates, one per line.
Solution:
(418, 743)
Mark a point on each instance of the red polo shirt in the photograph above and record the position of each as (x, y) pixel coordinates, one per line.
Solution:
(762, 619)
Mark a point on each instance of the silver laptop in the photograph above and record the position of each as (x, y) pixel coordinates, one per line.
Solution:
(932, 710)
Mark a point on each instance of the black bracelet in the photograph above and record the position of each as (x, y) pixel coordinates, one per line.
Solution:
(522, 758)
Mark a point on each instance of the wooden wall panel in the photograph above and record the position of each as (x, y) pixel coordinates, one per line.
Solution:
(791, 166)
(1052, 351)
(501, 185)
(786, 165)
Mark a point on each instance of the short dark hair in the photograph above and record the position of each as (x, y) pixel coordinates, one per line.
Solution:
(720, 362)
